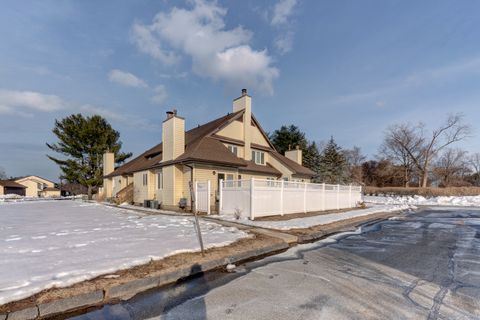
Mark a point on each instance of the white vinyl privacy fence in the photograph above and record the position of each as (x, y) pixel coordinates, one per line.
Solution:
(259, 198)
(202, 196)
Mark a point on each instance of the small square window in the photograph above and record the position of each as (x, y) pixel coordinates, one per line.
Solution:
(258, 157)
(233, 149)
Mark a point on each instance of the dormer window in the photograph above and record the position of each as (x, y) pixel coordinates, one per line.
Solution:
(233, 149)
(258, 157)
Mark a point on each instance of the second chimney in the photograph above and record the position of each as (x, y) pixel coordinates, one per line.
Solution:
(295, 155)
(173, 136)
(244, 102)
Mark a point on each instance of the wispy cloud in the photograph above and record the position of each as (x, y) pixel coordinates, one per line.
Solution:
(160, 94)
(281, 20)
(130, 120)
(415, 80)
(126, 79)
(216, 52)
(20, 102)
(282, 10)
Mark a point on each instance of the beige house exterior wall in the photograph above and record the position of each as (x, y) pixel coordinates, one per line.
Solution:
(258, 138)
(168, 194)
(1, 191)
(141, 192)
(118, 183)
(50, 193)
(233, 131)
(31, 182)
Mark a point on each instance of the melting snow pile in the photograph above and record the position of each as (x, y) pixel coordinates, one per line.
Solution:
(300, 223)
(465, 201)
(58, 243)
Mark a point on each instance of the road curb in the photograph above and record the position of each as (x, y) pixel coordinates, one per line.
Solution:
(133, 287)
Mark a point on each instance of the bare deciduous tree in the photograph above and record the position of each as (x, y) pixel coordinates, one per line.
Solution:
(474, 161)
(451, 167)
(421, 147)
(355, 158)
(397, 141)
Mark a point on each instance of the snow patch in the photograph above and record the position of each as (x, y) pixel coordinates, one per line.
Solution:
(307, 222)
(464, 201)
(103, 241)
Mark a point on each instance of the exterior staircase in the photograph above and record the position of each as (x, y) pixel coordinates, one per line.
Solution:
(125, 195)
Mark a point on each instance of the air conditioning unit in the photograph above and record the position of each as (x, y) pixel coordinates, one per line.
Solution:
(154, 204)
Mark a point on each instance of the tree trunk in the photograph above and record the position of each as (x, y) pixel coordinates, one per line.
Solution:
(89, 192)
(406, 178)
(424, 179)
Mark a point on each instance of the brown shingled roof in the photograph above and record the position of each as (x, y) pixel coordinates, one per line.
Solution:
(193, 139)
(253, 167)
(203, 145)
(295, 167)
(11, 184)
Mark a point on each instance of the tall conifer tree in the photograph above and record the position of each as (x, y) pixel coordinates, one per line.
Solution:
(82, 142)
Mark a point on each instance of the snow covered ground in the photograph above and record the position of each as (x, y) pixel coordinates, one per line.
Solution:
(317, 220)
(58, 243)
(465, 201)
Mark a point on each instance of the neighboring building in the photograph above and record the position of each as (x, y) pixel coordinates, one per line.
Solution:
(229, 148)
(36, 185)
(11, 187)
(50, 192)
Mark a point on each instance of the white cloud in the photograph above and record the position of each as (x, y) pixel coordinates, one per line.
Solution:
(284, 42)
(14, 102)
(216, 52)
(125, 119)
(126, 79)
(147, 42)
(282, 10)
(160, 94)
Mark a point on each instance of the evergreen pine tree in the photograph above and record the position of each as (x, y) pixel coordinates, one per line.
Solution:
(289, 137)
(82, 142)
(311, 157)
(333, 167)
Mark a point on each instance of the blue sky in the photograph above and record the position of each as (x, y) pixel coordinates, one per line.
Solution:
(342, 68)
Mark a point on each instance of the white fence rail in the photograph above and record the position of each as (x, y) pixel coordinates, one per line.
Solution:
(202, 196)
(258, 198)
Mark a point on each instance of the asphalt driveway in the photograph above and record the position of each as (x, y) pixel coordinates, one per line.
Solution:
(421, 266)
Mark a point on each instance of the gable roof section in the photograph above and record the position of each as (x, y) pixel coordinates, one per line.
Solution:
(193, 140)
(32, 177)
(11, 184)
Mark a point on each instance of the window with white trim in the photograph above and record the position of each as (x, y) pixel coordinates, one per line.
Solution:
(233, 149)
(258, 157)
(145, 179)
(160, 180)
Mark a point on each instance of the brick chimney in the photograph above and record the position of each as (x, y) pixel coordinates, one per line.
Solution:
(295, 155)
(173, 136)
(244, 102)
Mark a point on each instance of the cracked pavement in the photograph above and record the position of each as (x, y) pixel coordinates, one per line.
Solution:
(424, 265)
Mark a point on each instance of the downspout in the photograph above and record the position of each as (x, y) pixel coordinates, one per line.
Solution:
(191, 179)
